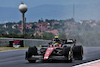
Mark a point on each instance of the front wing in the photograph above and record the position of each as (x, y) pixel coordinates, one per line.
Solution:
(40, 57)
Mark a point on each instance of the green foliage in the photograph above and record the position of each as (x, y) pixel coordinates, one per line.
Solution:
(62, 36)
(20, 22)
(40, 20)
(37, 36)
(29, 31)
(70, 20)
(48, 36)
(85, 33)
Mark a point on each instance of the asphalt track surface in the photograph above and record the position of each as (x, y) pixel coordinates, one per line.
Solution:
(16, 58)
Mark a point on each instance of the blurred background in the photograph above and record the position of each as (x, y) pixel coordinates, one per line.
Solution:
(69, 19)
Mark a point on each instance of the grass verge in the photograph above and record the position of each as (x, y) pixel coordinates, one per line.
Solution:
(10, 48)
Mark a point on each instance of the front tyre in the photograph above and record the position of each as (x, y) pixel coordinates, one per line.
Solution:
(31, 61)
(67, 51)
(70, 56)
(31, 51)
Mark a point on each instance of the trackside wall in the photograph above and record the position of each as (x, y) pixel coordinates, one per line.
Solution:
(4, 42)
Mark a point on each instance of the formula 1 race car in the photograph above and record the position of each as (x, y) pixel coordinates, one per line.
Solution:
(60, 50)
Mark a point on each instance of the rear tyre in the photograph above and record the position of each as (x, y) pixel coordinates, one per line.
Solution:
(78, 52)
(81, 56)
(31, 51)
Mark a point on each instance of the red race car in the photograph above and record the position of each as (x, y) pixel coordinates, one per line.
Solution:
(56, 50)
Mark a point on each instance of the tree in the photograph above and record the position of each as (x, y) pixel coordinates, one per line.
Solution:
(48, 36)
(37, 36)
(40, 20)
(20, 22)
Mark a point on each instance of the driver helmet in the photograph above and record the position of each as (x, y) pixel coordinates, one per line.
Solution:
(56, 39)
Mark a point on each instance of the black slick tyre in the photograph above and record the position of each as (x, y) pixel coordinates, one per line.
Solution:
(78, 52)
(67, 51)
(31, 61)
(32, 51)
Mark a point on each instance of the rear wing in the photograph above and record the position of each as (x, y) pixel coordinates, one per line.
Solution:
(69, 41)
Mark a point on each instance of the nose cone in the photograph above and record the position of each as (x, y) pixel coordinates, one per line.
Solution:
(23, 8)
(48, 52)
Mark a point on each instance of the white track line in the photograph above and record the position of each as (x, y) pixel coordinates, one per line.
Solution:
(87, 63)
